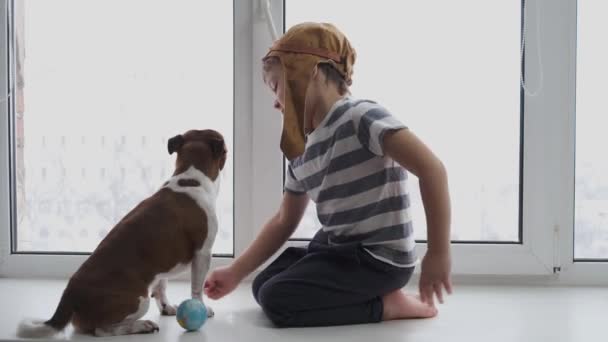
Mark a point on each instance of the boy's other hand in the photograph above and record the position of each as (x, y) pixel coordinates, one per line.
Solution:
(221, 282)
(435, 276)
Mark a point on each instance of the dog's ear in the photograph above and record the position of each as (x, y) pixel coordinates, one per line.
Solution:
(175, 143)
(217, 147)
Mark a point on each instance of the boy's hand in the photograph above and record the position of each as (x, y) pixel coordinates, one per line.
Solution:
(435, 276)
(221, 282)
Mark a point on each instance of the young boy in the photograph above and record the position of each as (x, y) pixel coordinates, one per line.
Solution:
(350, 157)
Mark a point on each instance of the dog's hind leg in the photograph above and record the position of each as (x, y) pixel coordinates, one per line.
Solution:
(128, 328)
(160, 295)
(131, 324)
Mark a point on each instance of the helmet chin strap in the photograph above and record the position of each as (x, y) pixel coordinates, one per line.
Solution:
(309, 111)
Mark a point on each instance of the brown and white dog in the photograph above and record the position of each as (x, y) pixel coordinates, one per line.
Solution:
(164, 235)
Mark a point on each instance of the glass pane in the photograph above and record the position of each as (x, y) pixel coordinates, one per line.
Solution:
(102, 86)
(452, 76)
(591, 211)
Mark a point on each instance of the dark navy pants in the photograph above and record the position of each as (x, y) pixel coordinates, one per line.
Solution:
(324, 285)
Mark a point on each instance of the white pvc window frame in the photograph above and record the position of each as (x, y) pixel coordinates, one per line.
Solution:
(547, 250)
(535, 256)
(546, 254)
(62, 265)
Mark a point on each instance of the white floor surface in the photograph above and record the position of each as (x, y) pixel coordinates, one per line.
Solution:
(471, 314)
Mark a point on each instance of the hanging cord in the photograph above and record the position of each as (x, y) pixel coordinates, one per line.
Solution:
(523, 48)
(269, 21)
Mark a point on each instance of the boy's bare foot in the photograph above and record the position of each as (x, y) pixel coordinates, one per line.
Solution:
(398, 305)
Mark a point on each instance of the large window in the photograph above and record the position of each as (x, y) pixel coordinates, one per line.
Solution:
(453, 79)
(591, 219)
(100, 87)
(95, 89)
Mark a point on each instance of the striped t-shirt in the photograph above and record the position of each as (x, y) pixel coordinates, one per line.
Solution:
(361, 195)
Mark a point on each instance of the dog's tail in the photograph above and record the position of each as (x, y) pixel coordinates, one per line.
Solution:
(39, 329)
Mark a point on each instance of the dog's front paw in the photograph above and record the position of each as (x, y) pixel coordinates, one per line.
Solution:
(168, 310)
(210, 312)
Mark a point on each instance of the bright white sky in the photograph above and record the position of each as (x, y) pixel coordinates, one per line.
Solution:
(147, 69)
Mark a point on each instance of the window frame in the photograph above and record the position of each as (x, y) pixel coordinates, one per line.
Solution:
(529, 257)
(62, 265)
(546, 254)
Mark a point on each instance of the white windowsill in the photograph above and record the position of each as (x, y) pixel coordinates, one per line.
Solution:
(473, 313)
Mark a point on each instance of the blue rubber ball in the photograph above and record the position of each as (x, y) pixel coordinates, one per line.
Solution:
(191, 314)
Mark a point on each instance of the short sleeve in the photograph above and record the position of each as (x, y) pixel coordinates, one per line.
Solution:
(371, 124)
(293, 185)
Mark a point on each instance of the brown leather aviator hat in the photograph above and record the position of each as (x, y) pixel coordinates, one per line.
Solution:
(300, 49)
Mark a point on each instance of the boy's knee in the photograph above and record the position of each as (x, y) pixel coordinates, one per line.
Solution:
(256, 285)
(273, 303)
